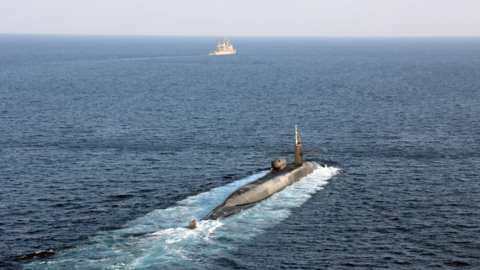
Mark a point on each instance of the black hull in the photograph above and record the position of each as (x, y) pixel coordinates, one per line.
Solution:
(260, 189)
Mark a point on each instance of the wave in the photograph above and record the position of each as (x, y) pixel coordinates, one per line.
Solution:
(161, 239)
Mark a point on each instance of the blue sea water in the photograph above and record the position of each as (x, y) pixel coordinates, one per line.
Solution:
(109, 146)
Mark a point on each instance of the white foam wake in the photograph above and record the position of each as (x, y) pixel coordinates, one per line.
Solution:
(162, 240)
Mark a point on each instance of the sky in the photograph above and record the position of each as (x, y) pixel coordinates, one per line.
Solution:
(328, 18)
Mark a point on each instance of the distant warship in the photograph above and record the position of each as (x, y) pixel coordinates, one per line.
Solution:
(280, 176)
(224, 48)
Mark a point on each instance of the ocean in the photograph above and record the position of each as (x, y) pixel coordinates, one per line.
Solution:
(110, 145)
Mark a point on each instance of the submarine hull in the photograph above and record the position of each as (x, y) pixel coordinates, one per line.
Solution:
(260, 189)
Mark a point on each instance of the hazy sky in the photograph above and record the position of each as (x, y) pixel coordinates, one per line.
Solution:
(243, 17)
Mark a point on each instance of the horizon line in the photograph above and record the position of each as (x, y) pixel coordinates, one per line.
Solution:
(259, 36)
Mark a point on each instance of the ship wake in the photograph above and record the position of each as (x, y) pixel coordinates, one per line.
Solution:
(161, 238)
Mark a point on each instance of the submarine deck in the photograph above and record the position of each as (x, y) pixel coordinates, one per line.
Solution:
(269, 176)
(243, 197)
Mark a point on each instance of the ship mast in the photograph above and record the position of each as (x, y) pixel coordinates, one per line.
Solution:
(296, 135)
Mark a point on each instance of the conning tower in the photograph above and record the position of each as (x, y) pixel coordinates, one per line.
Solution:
(298, 148)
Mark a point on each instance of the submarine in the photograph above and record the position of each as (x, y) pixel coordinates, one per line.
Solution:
(280, 176)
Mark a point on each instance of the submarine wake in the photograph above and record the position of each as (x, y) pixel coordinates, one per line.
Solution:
(161, 240)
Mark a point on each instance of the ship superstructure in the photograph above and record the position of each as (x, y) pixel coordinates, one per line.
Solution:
(224, 48)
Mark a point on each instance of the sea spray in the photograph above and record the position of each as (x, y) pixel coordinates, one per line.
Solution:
(161, 239)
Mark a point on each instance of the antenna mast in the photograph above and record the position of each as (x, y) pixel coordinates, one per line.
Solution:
(296, 135)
